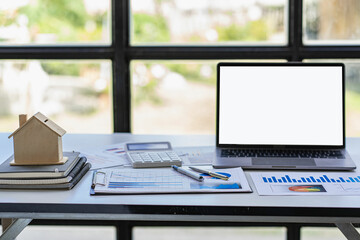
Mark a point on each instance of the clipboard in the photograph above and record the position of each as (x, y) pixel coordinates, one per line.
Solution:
(165, 180)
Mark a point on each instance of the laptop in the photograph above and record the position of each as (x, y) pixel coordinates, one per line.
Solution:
(281, 116)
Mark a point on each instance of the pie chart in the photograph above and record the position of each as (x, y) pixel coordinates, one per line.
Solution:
(305, 189)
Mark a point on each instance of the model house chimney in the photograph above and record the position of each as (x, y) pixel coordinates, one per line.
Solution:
(22, 119)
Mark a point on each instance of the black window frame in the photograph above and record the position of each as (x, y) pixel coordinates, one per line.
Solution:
(121, 53)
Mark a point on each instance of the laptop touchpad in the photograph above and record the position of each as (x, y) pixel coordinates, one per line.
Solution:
(284, 161)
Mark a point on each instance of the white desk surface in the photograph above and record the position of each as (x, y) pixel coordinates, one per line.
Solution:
(23, 203)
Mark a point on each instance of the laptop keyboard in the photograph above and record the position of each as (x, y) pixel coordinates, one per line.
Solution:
(282, 153)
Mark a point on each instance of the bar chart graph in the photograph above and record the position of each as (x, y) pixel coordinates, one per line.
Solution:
(321, 178)
(307, 183)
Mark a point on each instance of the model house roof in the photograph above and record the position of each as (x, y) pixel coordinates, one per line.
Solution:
(45, 121)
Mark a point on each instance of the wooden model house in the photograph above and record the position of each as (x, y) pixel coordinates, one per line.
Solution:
(38, 141)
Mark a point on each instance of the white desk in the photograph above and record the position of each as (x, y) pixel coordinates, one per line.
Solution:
(77, 204)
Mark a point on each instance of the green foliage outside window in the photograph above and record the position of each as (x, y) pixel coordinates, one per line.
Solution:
(252, 31)
(150, 28)
(192, 72)
(67, 18)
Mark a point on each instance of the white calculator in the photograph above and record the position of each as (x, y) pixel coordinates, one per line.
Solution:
(152, 154)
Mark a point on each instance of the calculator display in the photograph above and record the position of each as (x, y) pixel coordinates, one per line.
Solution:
(148, 146)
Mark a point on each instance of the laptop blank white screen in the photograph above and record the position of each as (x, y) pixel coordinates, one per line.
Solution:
(281, 105)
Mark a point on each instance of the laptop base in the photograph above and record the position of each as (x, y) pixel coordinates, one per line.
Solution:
(284, 163)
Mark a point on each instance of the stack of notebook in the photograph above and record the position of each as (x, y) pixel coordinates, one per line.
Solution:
(64, 176)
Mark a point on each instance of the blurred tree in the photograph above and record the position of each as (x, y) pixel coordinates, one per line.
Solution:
(67, 19)
(339, 19)
(252, 31)
(150, 28)
(57, 68)
(192, 71)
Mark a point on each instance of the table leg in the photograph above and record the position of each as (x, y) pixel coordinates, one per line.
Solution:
(124, 231)
(15, 228)
(348, 230)
(5, 223)
(293, 232)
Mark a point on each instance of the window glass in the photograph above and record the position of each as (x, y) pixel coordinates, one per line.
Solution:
(74, 94)
(331, 22)
(212, 233)
(236, 22)
(54, 22)
(68, 232)
(174, 97)
(352, 94)
(315, 233)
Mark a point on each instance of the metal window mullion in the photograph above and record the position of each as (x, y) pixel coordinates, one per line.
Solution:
(207, 52)
(336, 52)
(121, 74)
(84, 52)
(295, 28)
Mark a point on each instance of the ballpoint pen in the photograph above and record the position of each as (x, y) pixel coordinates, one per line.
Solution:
(213, 174)
(93, 182)
(188, 173)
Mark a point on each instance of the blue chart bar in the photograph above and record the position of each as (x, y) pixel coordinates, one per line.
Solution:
(311, 179)
(288, 178)
(326, 178)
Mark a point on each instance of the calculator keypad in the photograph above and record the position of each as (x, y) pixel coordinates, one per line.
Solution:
(154, 159)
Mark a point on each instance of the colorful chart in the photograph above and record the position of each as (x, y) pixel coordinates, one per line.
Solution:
(115, 150)
(312, 179)
(310, 188)
(215, 186)
(144, 184)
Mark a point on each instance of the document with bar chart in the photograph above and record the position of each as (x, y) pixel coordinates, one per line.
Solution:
(307, 183)
(166, 180)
